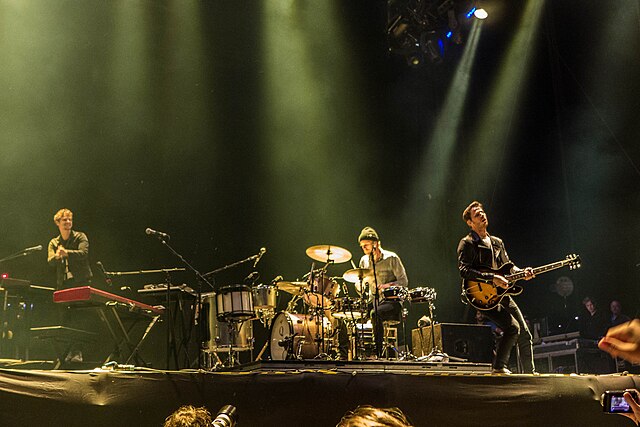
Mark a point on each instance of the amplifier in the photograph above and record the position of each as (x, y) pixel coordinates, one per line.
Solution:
(474, 343)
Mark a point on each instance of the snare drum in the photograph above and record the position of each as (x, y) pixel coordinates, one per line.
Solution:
(296, 336)
(217, 336)
(348, 308)
(419, 295)
(321, 291)
(394, 293)
(234, 302)
(264, 296)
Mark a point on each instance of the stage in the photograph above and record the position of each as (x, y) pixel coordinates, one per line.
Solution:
(308, 393)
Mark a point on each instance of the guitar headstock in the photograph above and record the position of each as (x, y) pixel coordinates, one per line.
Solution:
(573, 261)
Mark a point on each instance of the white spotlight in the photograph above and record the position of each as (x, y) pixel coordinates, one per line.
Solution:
(480, 13)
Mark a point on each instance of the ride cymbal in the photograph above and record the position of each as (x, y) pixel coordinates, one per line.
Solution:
(328, 253)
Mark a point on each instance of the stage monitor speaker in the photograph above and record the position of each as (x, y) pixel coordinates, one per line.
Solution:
(472, 342)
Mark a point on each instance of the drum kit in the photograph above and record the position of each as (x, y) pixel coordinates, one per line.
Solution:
(313, 333)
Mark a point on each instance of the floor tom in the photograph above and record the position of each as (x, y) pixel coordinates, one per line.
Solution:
(219, 336)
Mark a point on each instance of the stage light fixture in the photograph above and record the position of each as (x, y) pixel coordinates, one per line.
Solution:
(432, 47)
(412, 23)
(480, 13)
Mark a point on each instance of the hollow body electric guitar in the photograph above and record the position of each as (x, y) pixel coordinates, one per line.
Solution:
(484, 295)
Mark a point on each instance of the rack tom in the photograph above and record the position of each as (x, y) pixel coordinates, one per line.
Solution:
(264, 297)
(321, 291)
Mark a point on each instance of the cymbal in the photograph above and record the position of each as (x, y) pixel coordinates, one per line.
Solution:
(291, 287)
(357, 274)
(326, 253)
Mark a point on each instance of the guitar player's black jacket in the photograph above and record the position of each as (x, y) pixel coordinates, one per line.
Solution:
(474, 257)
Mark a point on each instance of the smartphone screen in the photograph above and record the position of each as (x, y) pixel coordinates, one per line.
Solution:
(618, 405)
(613, 401)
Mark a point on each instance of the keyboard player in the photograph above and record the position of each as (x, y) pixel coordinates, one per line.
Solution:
(69, 253)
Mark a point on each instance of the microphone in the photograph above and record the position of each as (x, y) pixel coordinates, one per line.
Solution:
(159, 234)
(107, 277)
(262, 252)
(251, 278)
(227, 417)
(33, 249)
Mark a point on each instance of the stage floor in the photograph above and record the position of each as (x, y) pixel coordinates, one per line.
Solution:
(308, 393)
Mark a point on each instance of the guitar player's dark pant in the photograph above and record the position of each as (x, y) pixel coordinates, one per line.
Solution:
(508, 317)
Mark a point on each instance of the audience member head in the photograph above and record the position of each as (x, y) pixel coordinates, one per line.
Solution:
(615, 307)
(590, 304)
(189, 416)
(368, 416)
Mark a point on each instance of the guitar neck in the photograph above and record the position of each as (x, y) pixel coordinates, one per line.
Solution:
(538, 270)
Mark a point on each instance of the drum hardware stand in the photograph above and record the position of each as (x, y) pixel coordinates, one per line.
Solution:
(264, 348)
(360, 345)
(234, 329)
(363, 291)
(436, 355)
(406, 354)
(318, 312)
(292, 303)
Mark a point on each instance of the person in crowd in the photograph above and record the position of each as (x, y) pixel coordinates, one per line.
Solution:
(189, 416)
(617, 317)
(369, 416)
(593, 322)
(624, 341)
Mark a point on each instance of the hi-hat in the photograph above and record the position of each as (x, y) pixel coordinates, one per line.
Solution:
(294, 288)
(328, 253)
(356, 275)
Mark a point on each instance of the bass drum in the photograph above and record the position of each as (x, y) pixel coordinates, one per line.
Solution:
(298, 336)
(216, 335)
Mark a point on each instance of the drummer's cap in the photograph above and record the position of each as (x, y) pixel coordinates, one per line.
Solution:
(368, 233)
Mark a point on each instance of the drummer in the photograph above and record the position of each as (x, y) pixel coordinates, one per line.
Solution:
(389, 272)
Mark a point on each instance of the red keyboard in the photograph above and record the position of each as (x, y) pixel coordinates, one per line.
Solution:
(92, 296)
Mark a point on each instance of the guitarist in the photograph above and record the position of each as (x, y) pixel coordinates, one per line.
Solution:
(477, 253)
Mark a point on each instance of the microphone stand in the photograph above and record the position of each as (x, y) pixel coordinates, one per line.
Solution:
(228, 266)
(376, 301)
(18, 254)
(201, 279)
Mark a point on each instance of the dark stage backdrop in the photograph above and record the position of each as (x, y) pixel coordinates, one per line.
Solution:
(285, 124)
